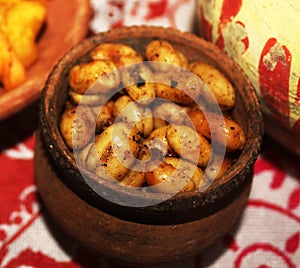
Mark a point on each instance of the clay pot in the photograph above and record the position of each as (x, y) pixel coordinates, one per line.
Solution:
(174, 227)
(262, 37)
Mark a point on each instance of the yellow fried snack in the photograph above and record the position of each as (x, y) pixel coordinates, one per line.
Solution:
(12, 72)
(20, 22)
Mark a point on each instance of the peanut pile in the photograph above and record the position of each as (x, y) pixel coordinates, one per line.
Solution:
(152, 132)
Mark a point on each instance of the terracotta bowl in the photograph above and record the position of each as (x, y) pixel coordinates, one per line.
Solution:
(173, 228)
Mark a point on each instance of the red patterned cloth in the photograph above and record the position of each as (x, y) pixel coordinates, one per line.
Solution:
(268, 234)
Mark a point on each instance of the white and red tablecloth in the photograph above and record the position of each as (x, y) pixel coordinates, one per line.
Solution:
(268, 234)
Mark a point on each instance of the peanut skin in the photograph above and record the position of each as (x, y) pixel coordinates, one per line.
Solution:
(217, 83)
(83, 76)
(119, 54)
(77, 130)
(117, 148)
(189, 144)
(163, 51)
(170, 178)
(226, 129)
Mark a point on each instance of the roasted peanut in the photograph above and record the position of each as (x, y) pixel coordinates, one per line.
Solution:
(119, 54)
(130, 112)
(83, 76)
(150, 156)
(186, 143)
(197, 176)
(117, 148)
(225, 130)
(182, 59)
(87, 99)
(133, 178)
(189, 144)
(181, 87)
(217, 83)
(77, 129)
(170, 112)
(218, 168)
(158, 138)
(89, 157)
(163, 51)
(158, 122)
(169, 177)
(105, 116)
(83, 156)
(138, 83)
